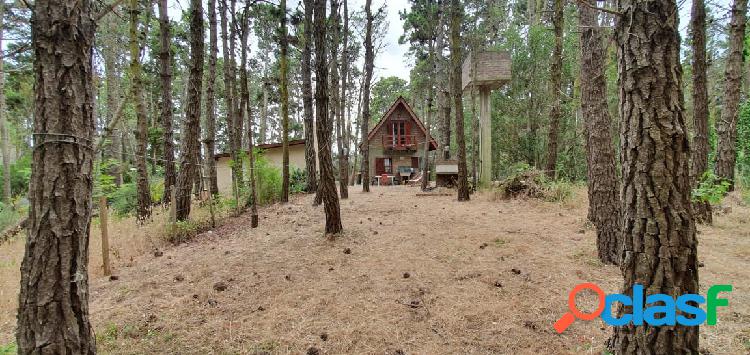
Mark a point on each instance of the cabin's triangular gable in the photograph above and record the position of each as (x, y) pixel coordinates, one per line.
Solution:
(413, 116)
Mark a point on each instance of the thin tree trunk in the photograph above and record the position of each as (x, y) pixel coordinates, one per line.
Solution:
(555, 89)
(165, 61)
(228, 54)
(343, 146)
(237, 115)
(462, 184)
(354, 137)
(366, 115)
(333, 109)
(53, 308)
(603, 184)
(143, 190)
(307, 101)
(327, 186)
(210, 140)
(191, 131)
(726, 125)
(702, 209)
(660, 248)
(284, 88)
(4, 137)
(264, 109)
(110, 53)
(246, 104)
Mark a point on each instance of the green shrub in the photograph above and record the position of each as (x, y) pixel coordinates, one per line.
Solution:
(268, 179)
(8, 349)
(297, 181)
(8, 216)
(711, 189)
(20, 174)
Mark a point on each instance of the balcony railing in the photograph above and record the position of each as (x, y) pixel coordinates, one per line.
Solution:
(400, 142)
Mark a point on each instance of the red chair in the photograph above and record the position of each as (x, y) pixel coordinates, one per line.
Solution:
(383, 179)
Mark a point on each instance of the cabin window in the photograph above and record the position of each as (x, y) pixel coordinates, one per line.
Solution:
(387, 165)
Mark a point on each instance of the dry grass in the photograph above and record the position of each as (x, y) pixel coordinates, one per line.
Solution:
(484, 277)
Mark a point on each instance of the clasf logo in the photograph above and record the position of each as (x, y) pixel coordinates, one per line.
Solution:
(666, 309)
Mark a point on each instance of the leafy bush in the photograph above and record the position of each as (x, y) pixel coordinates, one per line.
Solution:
(20, 174)
(297, 181)
(8, 349)
(711, 189)
(268, 179)
(124, 200)
(8, 216)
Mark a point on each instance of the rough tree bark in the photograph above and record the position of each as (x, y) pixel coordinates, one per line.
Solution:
(555, 88)
(343, 146)
(264, 110)
(726, 125)
(603, 183)
(165, 71)
(246, 108)
(333, 109)
(210, 139)
(191, 132)
(4, 138)
(229, 93)
(657, 219)
(307, 101)
(701, 209)
(110, 52)
(143, 211)
(366, 115)
(53, 310)
(462, 185)
(327, 185)
(284, 89)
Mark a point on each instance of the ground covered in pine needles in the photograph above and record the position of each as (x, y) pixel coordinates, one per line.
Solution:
(411, 275)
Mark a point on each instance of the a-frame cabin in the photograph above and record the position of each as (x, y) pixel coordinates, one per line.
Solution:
(397, 143)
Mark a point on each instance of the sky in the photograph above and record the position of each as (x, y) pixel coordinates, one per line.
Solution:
(392, 61)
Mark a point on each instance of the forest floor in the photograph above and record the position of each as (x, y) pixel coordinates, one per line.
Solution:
(411, 275)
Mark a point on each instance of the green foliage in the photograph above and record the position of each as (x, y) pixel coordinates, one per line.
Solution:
(297, 180)
(384, 92)
(268, 179)
(8, 216)
(8, 349)
(124, 200)
(711, 189)
(20, 174)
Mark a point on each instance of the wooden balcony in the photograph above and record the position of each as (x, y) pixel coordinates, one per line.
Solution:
(400, 142)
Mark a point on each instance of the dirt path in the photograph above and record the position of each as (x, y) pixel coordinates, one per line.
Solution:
(483, 277)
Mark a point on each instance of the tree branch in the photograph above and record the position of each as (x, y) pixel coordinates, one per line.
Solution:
(602, 9)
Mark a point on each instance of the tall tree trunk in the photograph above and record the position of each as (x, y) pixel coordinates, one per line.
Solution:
(264, 108)
(726, 126)
(143, 190)
(110, 51)
(4, 137)
(307, 101)
(327, 185)
(191, 131)
(165, 62)
(603, 184)
(333, 109)
(657, 220)
(210, 140)
(284, 88)
(246, 108)
(237, 115)
(555, 88)
(53, 305)
(228, 54)
(457, 13)
(354, 137)
(343, 142)
(702, 209)
(366, 115)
